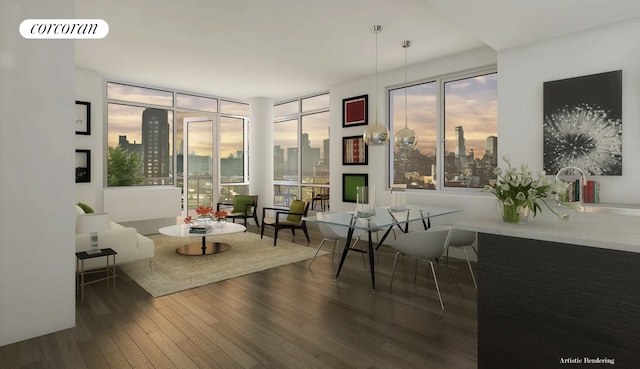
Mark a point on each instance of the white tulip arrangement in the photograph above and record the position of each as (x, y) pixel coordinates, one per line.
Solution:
(518, 190)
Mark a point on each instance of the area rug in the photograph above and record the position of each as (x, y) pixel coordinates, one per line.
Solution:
(248, 254)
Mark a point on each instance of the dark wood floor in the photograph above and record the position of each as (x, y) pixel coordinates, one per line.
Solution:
(287, 317)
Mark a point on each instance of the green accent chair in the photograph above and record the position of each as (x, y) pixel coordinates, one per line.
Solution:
(243, 207)
(283, 218)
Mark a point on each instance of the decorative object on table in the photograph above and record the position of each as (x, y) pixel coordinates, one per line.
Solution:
(83, 118)
(365, 201)
(583, 124)
(519, 193)
(221, 219)
(355, 111)
(83, 166)
(203, 223)
(405, 138)
(354, 151)
(398, 197)
(376, 134)
(220, 215)
(575, 189)
(93, 223)
(349, 183)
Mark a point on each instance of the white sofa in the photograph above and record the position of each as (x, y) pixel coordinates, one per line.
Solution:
(126, 241)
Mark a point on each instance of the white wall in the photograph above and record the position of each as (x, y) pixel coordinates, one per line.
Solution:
(90, 87)
(522, 71)
(475, 202)
(37, 160)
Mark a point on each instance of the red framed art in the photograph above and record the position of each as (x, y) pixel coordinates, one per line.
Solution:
(355, 111)
(354, 151)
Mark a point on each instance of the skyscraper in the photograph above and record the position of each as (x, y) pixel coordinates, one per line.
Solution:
(155, 143)
(461, 149)
(491, 150)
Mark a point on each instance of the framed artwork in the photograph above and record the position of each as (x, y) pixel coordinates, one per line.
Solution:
(349, 184)
(354, 151)
(83, 118)
(355, 111)
(583, 124)
(83, 166)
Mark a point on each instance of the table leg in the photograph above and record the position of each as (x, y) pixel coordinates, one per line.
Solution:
(371, 261)
(82, 280)
(108, 271)
(204, 245)
(346, 250)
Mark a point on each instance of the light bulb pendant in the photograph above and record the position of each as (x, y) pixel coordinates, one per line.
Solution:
(376, 134)
(405, 138)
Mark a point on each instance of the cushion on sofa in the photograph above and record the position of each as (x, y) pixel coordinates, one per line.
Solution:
(86, 208)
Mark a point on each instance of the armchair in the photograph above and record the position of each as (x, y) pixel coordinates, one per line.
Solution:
(243, 207)
(291, 218)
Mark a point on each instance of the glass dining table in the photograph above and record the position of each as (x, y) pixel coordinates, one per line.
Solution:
(383, 220)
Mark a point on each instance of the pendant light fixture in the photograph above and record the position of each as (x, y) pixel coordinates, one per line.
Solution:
(376, 134)
(405, 138)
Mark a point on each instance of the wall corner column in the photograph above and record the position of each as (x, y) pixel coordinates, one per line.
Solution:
(261, 149)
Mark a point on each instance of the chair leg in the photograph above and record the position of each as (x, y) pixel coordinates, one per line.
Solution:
(393, 271)
(470, 269)
(435, 280)
(318, 250)
(306, 233)
(255, 217)
(275, 236)
(262, 231)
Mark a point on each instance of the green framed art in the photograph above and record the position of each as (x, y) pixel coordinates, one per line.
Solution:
(349, 183)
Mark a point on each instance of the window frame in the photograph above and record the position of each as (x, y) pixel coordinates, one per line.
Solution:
(174, 108)
(440, 81)
(299, 184)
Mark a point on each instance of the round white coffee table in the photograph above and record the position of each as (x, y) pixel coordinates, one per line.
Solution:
(203, 248)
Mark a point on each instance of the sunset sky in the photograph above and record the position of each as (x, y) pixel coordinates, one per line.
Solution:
(471, 103)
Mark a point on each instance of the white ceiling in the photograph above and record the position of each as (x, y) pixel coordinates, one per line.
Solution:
(288, 48)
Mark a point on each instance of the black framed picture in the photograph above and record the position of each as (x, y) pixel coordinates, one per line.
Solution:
(583, 124)
(350, 181)
(354, 151)
(83, 117)
(83, 166)
(355, 111)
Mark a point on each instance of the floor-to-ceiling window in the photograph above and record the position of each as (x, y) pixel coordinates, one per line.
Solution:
(301, 149)
(456, 123)
(145, 140)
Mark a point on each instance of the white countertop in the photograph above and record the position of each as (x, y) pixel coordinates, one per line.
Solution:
(607, 231)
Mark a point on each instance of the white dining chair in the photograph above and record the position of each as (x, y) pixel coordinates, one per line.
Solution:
(463, 240)
(333, 233)
(423, 245)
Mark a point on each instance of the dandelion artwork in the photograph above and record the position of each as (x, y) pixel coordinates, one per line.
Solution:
(583, 124)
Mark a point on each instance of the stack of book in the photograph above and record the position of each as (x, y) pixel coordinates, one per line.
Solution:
(589, 192)
(592, 192)
(199, 229)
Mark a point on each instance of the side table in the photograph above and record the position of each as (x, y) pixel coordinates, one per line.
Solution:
(110, 269)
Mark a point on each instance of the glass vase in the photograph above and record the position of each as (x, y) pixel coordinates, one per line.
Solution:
(515, 214)
(204, 220)
(365, 201)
